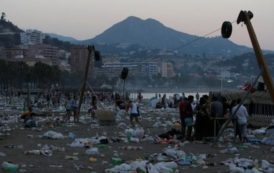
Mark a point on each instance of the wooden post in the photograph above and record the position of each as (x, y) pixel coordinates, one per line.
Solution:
(245, 17)
(90, 51)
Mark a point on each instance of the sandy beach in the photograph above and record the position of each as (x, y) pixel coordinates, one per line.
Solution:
(16, 141)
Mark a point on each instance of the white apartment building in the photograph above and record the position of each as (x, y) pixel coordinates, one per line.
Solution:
(167, 70)
(31, 37)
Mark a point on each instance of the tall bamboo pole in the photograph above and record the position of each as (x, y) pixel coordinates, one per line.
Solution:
(245, 17)
(90, 51)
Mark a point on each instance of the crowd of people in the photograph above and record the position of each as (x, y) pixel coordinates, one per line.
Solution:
(207, 111)
(197, 115)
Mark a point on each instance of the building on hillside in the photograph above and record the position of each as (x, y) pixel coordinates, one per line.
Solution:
(167, 70)
(15, 53)
(33, 53)
(43, 51)
(150, 68)
(31, 37)
(78, 60)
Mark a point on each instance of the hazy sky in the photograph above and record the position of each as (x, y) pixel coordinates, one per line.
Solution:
(84, 19)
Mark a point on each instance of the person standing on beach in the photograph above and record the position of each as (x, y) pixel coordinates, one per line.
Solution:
(241, 118)
(234, 120)
(201, 118)
(182, 112)
(197, 97)
(140, 97)
(73, 108)
(93, 106)
(186, 116)
(134, 112)
(68, 108)
(164, 101)
(189, 117)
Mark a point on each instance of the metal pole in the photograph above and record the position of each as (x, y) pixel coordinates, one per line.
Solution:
(28, 96)
(90, 51)
(124, 90)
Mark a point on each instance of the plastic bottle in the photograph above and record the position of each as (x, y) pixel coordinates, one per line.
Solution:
(9, 167)
(71, 135)
(116, 160)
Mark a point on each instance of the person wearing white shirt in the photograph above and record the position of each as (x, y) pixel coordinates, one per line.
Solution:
(134, 112)
(241, 118)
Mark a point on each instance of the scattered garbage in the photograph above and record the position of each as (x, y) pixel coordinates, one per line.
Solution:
(94, 151)
(2, 154)
(132, 148)
(244, 165)
(81, 142)
(230, 150)
(71, 135)
(9, 167)
(71, 158)
(44, 152)
(127, 141)
(135, 133)
(53, 135)
(144, 166)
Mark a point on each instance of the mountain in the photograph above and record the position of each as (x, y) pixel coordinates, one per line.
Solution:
(151, 34)
(64, 38)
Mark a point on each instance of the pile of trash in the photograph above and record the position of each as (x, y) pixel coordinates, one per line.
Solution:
(46, 150)
(89, 142)
(134, 135)
(53, 135)
(180, 157)
(244, 165)
(143, 166)
(166, 162)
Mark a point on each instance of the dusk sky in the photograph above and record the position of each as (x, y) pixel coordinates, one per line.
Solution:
(83, 19)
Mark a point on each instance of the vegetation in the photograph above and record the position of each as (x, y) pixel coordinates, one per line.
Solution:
(55, 42)
(9, 33)
(18, 74)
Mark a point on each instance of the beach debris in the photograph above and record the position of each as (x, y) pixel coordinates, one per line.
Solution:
(94, 151)
(81, 142)
(53, 135)
(56, 166)
(92, 159)
(229, 150)
(132, 147)
(137, 132)
(44, 152)
(144, 166)
(244, 165)
(71, 135)
(9, 167)
(71, 157)
(2, 154)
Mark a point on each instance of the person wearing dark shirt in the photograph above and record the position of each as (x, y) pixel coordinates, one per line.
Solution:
(182, 112)
(217, 109)
(186, 116)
